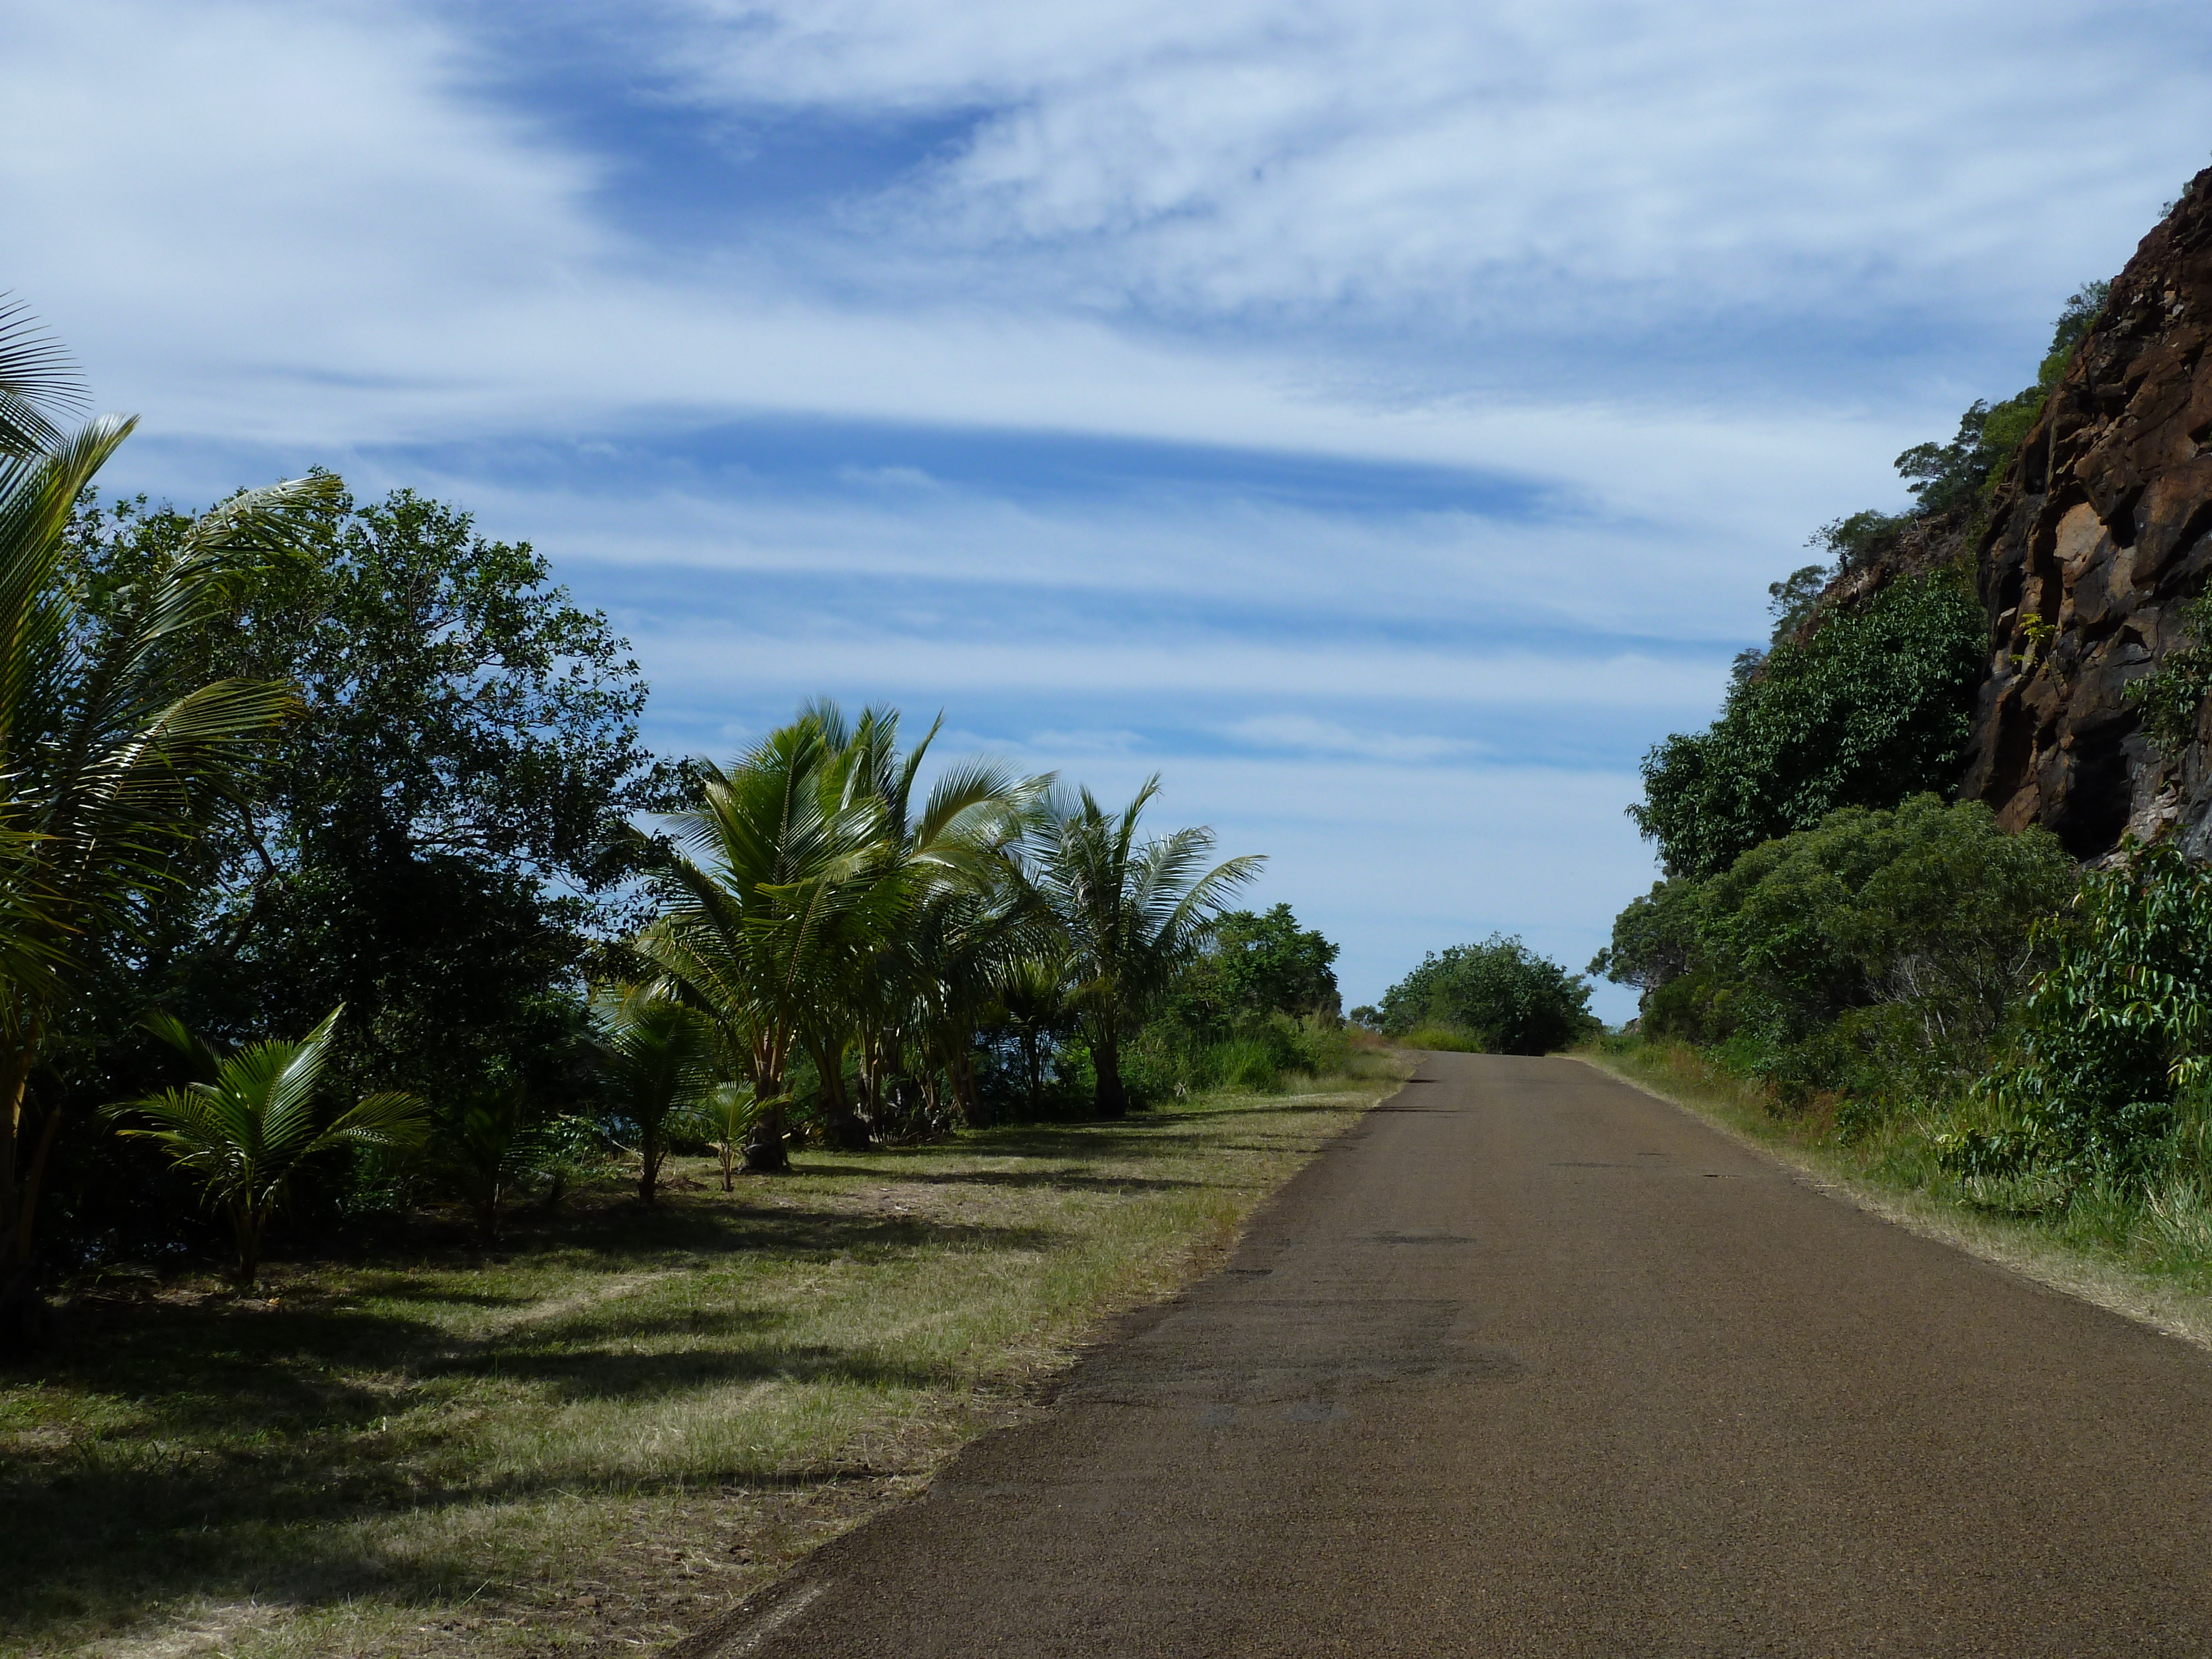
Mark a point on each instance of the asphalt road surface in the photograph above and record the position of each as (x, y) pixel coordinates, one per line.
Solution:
(1531, 1362)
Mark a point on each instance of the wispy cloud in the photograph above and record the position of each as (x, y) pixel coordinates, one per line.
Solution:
(1381, 416)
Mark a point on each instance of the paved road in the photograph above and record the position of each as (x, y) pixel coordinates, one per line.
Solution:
(1531, 1363)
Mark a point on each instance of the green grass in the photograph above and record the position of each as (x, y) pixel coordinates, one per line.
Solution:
(2150, 1260)
(606, 1434)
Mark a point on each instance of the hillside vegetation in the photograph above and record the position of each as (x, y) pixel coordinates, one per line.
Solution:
(1953, 1006)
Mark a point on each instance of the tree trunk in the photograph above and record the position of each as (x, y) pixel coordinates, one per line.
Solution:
(1035, 1064)
(765, 1151)
(842, 1127)
(249, 1222)
(1110, 1099)
(961, 1066)
(648, 1171)
(22, 1310)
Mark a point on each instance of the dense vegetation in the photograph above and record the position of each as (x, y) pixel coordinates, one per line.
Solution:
(337, 881)
(1859, 703)
(1983, 1017)
(1498, 997)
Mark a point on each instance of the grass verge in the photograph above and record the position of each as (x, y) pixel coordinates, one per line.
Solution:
(2127, 1259)
(601, 1437)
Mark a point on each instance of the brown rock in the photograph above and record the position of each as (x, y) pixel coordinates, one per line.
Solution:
(2101, 526)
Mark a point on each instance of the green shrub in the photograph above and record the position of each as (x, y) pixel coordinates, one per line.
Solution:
(2110, 1034)
(1500, 995)
(1877, 953)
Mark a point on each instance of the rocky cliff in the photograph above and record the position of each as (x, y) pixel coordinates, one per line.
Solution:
(2100, 527)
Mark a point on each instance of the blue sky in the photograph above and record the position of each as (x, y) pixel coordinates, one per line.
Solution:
(1381, 418)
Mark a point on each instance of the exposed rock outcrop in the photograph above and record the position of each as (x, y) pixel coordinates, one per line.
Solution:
(2100, 527)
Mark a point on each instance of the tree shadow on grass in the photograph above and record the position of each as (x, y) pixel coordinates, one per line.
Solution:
(1075, 1179)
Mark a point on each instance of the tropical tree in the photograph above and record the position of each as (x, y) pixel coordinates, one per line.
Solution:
(788, 887)
(1134, 913)
(487, 1150)
(245, 1125)
(112, 751)
(727, 1114)
(660, 1055)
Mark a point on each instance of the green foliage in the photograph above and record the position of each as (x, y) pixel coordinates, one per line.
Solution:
(663, 1062)
(1947, 477)
(1873, 707)
(2109, 1033)
(1168, 1061)
(1499, 994)
(116, 747)
(1790, 601)
(245, 1127)
(1853, 541)
(436, 837)
(2169, 698)
(487, 1147)
(1249, 967)
(1133, 913)
(1879, 951)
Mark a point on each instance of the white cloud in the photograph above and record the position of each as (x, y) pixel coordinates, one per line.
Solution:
(1566, 157)
(1304, 732)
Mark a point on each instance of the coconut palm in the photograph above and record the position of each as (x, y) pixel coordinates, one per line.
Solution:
(788, 882)
(487, 1151)
(1133, 912)
(660, 1054)
(727, 1114)
(964, 901)
(112, 752)
(246, 1124)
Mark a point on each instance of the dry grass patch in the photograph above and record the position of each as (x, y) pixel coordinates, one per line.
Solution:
(602, 1436)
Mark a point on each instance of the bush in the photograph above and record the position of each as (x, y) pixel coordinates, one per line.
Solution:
(1877, 953)
(1499, 995)
(2110, 1034)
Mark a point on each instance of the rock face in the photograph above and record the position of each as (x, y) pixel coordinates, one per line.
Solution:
(2100, 527)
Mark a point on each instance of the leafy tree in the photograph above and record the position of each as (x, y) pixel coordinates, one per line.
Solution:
(245, 1125)
(434, 838)
(1873, 707)
(1268, 964)
(1133, 913)
(1946, 476)
(115, 747)
(1500, 992)
(1874, 950)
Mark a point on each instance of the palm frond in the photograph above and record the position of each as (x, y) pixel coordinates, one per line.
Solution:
(38, 381)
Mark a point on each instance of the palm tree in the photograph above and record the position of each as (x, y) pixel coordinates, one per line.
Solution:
(788, 883)
(764, 890)
(728, 1114)
(963, 898)
(1134, 913)
(1031, 993)
(660, 1055)
(245, 1127)
(487, 1151)
(111, 752)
